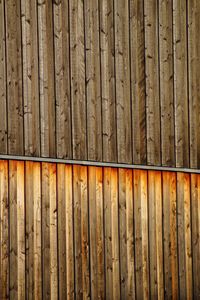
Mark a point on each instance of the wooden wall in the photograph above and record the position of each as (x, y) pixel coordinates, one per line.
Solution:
(107, 80)
(98, 233)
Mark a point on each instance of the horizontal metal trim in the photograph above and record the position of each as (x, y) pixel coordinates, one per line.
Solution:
(98, 164)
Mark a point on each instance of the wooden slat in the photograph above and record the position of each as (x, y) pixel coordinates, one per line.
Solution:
(4, 231)
(65, 232)
(17, 230)
(93, 80)
(14, 78)
(62, 79)
(33, 231)
(30, 77)
(194, 80)
(108, 80)
(180, 82)
(3, 92)
(49, 232)
(152, 82)
(126, 225)
(170, 235)
(141, 234)
(155, 235)
(122, 67)
(81, 233)
(184, 236)
(137, 65)
(77, 62)
(96, 232)
(46, 78)
(195, 203)
(166, 83)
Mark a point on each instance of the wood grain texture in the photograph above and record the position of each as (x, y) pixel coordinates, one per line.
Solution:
(78, 78)
(181, 82)
(46, 78)
(30, 78)
(3, 91)
(152, 82)
(138, 86)
(93, 80)
(122, 68)
(62, 78)
(14, 78)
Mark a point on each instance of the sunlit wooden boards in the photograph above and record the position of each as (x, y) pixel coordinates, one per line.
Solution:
(78, 232)
(113, 81)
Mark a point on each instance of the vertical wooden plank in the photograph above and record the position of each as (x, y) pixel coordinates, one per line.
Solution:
(4, 231)
(33, 231)
(93, 80)
(14, 78)
(137, 65)
(141, 234)
(108, 80)
(77, 62)
(96, 232)
(81, 233)
(17, 230)
(195, 203)
(155, 235)
(122, 67)
(170, 235)
(152, 82)
(194, 80)
(49, 232)
(3, 99)
(62, 79)
(127, 261)
(166, 82)
(46, 78)
(184, 236)
(112, 264)
(65, 232)
(30, 77)
(180, 83)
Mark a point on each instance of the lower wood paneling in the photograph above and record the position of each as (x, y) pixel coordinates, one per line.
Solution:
(78, 232)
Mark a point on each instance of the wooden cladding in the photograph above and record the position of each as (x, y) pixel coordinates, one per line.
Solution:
(109, 80)
(80, 232)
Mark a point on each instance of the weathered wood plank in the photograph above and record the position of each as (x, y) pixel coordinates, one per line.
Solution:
(170, 235)
(62, 78)
(181, 83)
(17, 230)
(137, 65)
(152, 82)
(81, 233)
(184, 236)
(141, 234)
(33, 231)
(96, 232)
(4, 231)
(3, 92)
(30, 77)
(46, 78)
(155, 235)
(166, 82)
(194, 80)
(93, 80)
(195, 215)
(14, 78)
(77, 63)
(122, 67)
(107, 45)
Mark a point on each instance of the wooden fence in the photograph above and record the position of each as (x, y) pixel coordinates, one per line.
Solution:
(81, 232)
(107, 80)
